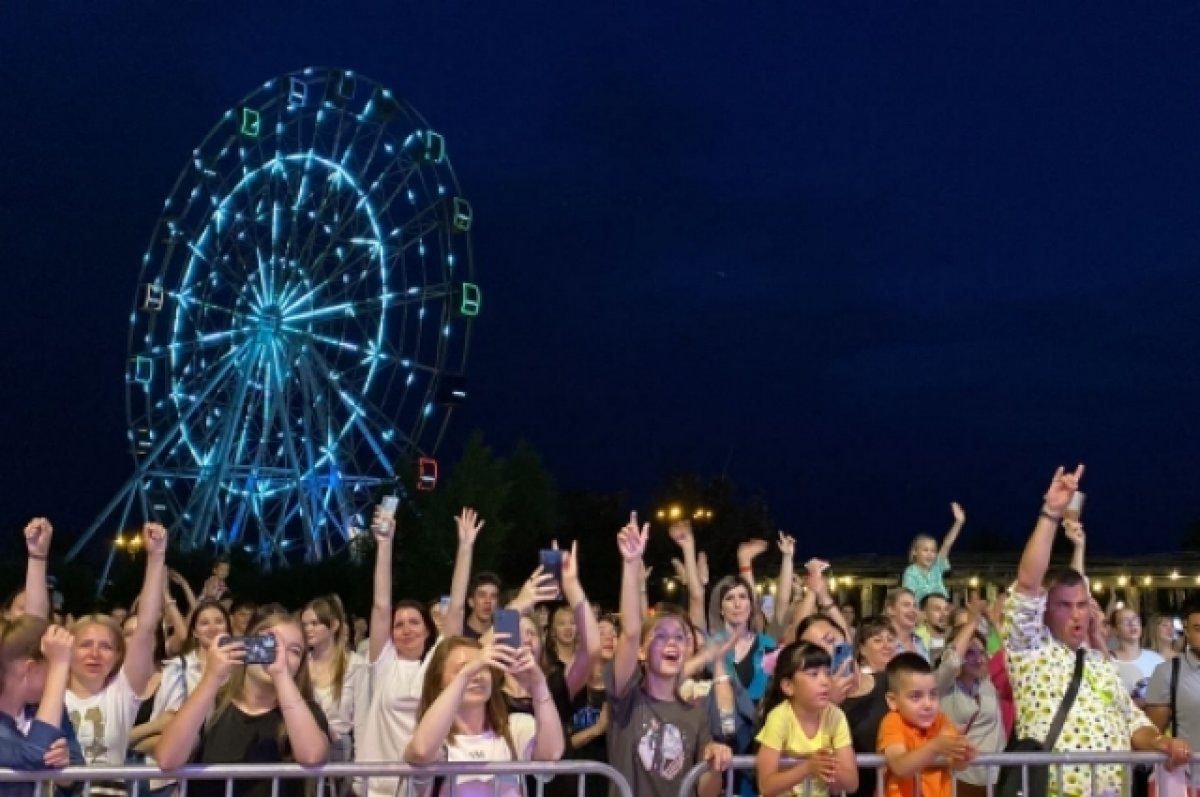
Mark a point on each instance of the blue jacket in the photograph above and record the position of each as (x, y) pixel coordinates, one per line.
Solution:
(26, 752)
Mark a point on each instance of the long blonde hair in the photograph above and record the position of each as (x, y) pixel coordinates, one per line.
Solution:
(328, 610)
(236, 685)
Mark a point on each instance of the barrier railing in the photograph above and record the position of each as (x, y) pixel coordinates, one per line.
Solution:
(232, 773)
(1055, 761)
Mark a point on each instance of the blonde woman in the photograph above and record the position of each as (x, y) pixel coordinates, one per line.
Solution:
(109, 673)
(249, 713)
(336, 673)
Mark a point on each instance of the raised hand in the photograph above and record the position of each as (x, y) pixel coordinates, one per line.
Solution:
(1073, 530)
(469, 525)
(539, 588)
(787, 545)
(279, 667)
(223, 657)
(681, 533)
(154, 539)
(570, 564)
(702, 568)
(750, 550)
(175, 577)
(526, 670)
(960, 517)
(493, 654)
(631, 540)
(57, 644)
(1061, 488)
(37, 537)
(680, 570)
(383, 524)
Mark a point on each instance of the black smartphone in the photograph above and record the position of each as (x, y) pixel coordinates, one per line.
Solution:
(551, 561)
(507, 627)
(260, 649)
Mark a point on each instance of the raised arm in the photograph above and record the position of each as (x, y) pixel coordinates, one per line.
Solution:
(308, 740)
(189, 596)
(588, 645)
(783, 590)
(747, 552)
(56, 646)
(1074, 531)
(549, 740)
(38, 533)
(960, 517)
(383, 526)
(173, 617)
(468, 525)
(632, 544)
(179, 738)
(1036, 557)
(681, 534)
(139, 648)
(434, 726)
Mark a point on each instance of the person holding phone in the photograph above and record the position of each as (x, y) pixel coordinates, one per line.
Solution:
(462, 716)
(970, 700)
(250, 713)
(399, 645)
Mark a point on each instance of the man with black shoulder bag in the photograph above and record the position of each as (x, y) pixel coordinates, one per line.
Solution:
(1069, 698)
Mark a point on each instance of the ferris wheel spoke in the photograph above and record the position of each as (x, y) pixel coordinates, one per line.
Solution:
(361, 410)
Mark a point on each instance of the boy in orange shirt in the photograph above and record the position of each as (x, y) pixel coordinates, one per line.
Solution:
(915, 735)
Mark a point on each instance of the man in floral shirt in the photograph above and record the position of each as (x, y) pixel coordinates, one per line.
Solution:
(1043, 630)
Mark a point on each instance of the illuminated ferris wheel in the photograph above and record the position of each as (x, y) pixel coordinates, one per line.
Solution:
(301, 324)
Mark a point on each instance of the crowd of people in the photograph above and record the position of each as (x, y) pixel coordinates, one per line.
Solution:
(654, 691)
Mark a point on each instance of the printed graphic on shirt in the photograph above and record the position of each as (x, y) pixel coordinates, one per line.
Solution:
(661, 750)
(584, 718)
(90, 730)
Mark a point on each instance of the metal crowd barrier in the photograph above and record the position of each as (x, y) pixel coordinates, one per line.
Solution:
(1056, 761)
(231, 773)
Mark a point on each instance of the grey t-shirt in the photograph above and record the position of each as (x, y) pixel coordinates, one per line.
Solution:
(653, 743)
(1187, 701)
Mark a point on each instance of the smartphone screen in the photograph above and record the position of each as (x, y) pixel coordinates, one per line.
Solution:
(507, 627)
(389, 504)
(842, 652)
(260, 649)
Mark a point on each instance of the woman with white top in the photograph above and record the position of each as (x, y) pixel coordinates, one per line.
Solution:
(335, 671)
(399, 648)
(110, 673)
(463, 716)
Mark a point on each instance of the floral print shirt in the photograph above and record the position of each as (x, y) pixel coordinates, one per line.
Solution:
(1040, 669)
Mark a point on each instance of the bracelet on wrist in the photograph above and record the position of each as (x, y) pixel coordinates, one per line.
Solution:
(1049, 516)
(37, 557)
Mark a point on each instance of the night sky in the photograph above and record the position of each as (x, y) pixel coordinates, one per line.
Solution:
(870, 258)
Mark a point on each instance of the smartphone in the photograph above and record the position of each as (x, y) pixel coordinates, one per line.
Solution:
(1074, 510)
(842, 653)
(507, 627)
(260, 649)
(389, 504)
(444, 604)
(551, 561)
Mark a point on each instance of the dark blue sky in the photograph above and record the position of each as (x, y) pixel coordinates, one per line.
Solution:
(890, 254)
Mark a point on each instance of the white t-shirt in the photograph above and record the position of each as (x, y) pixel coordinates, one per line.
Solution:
(391, 716)
(179, 679)
(341, 713)
(103, 722)
(1135, 675)
(489, 746)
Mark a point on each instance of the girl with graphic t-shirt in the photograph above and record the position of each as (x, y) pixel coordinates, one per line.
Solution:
(250, 713)
(110, 673)
(654, 737)
(399, 648)
(462, 717)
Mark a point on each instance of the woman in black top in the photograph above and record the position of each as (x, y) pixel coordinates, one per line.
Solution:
(251, 713)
